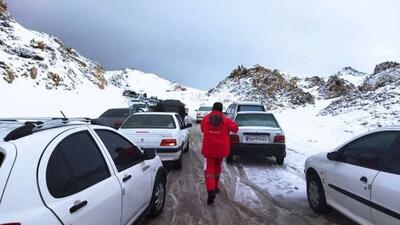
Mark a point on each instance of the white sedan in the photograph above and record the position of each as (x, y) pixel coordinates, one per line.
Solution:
(165, 132)
(62, 172)
(361, 178)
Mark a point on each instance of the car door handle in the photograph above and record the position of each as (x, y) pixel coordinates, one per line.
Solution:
(364, 180)
(126, 178)
(78, 205)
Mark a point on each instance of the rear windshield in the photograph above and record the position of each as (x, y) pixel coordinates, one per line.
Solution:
(205, 109)
(256, 120)
(150, 121)
(116, 113)
(139, 106)
(254, 108)
(171, 108)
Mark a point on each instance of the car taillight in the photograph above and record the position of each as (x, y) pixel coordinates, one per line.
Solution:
(279, 139)
(168, 142)
(234, 139)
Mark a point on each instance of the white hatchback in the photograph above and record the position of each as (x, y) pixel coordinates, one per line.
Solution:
(62, 172)
(361, 178)
(165, 132)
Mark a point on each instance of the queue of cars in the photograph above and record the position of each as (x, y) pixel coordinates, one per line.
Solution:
(66, 163)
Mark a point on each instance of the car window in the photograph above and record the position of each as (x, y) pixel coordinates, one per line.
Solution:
(204, 108)
(180, 121)
(394, 166)
(1, 158)
(123, 152)
(75, 164)
(256, 108)
(116, 113)
(150, 121)
(257, 120)
(369, 150)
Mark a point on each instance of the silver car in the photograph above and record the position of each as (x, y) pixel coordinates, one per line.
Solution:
(202, 112)
(259, 134)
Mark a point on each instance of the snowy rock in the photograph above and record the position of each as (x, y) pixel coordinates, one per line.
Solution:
(336, 87)
(384, 66)
(271, 87)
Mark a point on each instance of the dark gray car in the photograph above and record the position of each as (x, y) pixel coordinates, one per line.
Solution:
(113, 117)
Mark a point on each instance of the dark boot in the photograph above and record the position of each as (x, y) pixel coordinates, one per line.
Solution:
(211, 197)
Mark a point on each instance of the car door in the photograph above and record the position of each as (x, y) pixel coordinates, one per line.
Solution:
(385, 191)
(183, 132)
(76, 182)
(133, 173)
(350, 179)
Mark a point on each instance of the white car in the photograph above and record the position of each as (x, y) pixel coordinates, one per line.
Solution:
(234, 108)
(165, 132)
(202, 112)
(361, 178)
(139, 106)
(260, 135)
(64, 172)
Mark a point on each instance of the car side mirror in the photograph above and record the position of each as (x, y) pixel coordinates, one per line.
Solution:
(225, 113)
(189, 125)
(334, 156)
(149, 154)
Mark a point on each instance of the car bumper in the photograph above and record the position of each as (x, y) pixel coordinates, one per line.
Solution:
(169, 154)
(267, 150)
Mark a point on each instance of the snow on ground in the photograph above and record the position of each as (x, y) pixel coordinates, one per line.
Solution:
(22, 100)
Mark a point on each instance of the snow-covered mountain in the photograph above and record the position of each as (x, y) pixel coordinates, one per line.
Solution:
(271, 87)
(40, 73)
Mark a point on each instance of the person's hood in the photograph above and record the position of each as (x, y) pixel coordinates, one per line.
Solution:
(216, 118)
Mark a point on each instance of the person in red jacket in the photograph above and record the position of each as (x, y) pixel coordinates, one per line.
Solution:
(216, 128)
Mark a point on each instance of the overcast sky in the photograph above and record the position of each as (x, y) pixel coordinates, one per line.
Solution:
(199, 42)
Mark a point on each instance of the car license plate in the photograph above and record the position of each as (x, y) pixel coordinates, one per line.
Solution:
(257, 139)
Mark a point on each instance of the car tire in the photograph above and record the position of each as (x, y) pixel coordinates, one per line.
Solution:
(178, 163)
(186, 150)
(157, 201)
(229, 159)
(280, 160)
(316, 195)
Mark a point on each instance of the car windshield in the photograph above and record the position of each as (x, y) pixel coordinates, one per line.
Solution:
(256, 120)
(116, 113)
(150, 121)
(255, 108)
(205, 109)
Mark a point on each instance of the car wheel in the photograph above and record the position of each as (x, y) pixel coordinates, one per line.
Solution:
(178, 163)
(229, 159)
(187, 147)
(158, 197)
(280, 160)
(316, 195)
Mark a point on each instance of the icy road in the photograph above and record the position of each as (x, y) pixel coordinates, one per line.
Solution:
(254, 191)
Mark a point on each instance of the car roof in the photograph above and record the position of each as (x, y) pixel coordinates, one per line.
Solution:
(248, 103)
(254, 112)
(156, 113)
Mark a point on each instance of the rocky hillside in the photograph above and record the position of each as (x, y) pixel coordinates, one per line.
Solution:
(374, 98)
(42, 59)
(271, 87)
(45, 61)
